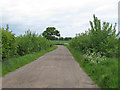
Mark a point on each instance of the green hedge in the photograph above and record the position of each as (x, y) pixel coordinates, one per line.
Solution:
(9, 47)
(23, 44)
(101, 37)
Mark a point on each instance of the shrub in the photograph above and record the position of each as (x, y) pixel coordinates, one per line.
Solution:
(23, 44)
(100, 38)
(31, 42)
(8, 43)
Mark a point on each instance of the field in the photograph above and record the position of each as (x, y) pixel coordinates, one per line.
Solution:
(58, 42)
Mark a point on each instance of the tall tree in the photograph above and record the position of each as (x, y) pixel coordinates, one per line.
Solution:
(51, 33)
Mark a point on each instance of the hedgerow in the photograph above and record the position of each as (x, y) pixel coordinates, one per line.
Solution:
(8, 43)
(23, 44)
(97, 51)
(100, 38)
(31, 42)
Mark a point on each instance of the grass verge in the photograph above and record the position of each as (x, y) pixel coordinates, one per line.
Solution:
(105, 75)
(13, 63)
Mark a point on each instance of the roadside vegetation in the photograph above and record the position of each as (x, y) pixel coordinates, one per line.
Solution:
(96, 50)
(51, 33)
(13, 63)
(20, 50)
(23, 44)
(105, 73)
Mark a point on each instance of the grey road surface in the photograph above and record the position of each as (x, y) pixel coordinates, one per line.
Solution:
(56, 69)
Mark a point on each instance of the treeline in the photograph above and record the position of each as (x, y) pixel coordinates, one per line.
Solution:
(101, 37)
(52, 34)
(62, 38)
(23, 44)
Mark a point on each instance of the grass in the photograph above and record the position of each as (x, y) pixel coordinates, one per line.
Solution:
(57, 42)
(105, 75)
(13, 63)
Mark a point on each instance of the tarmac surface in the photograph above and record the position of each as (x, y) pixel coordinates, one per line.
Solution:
(56, 69)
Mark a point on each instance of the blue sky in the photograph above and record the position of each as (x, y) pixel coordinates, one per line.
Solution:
(68, 16)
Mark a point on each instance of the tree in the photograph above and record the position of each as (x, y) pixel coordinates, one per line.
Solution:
(100, 38)
(67, 38)
(103, 37)
(51, 33)
(9, 47)
(61, 38)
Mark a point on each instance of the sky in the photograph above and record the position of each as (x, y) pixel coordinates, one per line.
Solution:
(68, 16)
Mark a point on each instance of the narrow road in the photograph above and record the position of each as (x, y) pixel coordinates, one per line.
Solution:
(56, 69)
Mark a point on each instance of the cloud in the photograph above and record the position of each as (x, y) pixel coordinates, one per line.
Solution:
(68, 16)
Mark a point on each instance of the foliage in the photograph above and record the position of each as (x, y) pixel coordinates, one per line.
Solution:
(63, 39)
(23, 44)
(100, 38)
(8, 43)
(104, 72)
(51, 33)
(13, 63)
(94, 58)
(96, 51)
(30, 42)
(67, 38)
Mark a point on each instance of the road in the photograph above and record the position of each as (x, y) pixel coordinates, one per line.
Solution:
(56, 69)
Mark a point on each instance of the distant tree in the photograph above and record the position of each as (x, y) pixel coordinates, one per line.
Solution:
(56, 38)
(61, 38)
(51, 33)
(67, 38)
